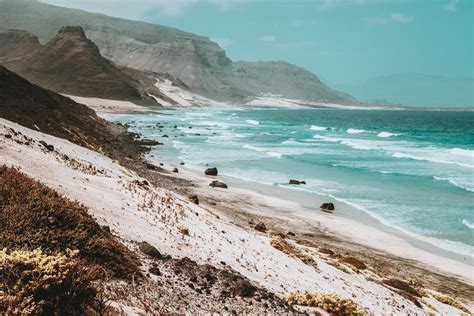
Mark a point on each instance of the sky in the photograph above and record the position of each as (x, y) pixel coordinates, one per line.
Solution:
(342, 41)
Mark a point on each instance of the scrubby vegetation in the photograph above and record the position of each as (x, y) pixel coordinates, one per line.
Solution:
(451, 302)
(34, 283)
(330, 302)
(35, 216)
(289, 249)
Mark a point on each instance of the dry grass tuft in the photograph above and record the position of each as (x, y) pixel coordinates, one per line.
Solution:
(330, 302)
(286, 247)
(34, 283)
(401, 285)
(353, 262)
(183, 230)
(307, 243)
(337, 265)
(451, 302)
(32, 215)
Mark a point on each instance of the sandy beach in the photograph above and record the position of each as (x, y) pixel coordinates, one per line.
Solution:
(298, 249)
(299, 212)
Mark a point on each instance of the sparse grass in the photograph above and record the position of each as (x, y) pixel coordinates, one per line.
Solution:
(337, 265)
(354, 263)
(34, 283)
(401, 285)
(33, 215)
(183, 230)
(451, 302)
(286, 247)
(330, 302)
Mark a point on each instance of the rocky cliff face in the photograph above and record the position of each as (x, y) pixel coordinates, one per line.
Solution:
(71, 64)
(200, 63)
(39, 109)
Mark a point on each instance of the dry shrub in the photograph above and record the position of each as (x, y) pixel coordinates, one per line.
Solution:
(353, 262)
(337, 265)
(401, 285)
(403, 289)
(451, 302)
(330, 302)
(34, 283)
(183, 230)
(33, 215)
(292, 251)
(307, 243)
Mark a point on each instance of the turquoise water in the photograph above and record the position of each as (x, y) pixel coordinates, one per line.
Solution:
(412, 170)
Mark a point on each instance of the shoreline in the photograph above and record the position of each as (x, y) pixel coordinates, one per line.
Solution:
(368, 232)
(220, 230)
(372, 231)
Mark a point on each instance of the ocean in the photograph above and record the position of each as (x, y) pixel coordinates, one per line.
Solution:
(411, 170)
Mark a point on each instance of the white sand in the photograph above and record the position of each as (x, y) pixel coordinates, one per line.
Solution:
(278, 101)
(181, 97)
(356, 231)
(106, 105)
(153, 214)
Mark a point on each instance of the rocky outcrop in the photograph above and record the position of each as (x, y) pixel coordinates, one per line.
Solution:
(199, 62)
(211, 172)
(327, 207)
(194, 198)
(261, 227)
(297, 182)
(149, 250)
(42, 110)
(218, 184)
(70, 63)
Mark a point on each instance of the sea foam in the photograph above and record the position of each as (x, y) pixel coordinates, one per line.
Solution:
(355, 131)
(252, 122)
(386, 134)
(468, 223)
(318, 128)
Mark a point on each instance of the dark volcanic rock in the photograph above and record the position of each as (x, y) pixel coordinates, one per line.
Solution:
(47, 146)
(327, 206)
(243, 288)
(154, 270)
(175, 170)
(218, 184)
(150, 250)
(261, 227)
(211, 172)
(297, 182)
(39, 109)
(194, 198)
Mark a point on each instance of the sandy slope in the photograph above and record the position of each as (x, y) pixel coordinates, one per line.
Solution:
(136, 211)
(107, 105)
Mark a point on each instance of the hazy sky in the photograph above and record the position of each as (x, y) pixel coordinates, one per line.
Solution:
(342, 41)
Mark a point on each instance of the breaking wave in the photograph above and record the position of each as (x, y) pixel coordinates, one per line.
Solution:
(252, 122)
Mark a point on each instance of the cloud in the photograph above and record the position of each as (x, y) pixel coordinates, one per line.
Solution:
(135, 9)
(223, 42)
(297, 23)
(401, 18)
(451, 6)
(295, 45)
(392, 18)
(268, 39)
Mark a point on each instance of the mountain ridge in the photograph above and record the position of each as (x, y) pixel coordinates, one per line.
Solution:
(196, 60)
(71, 64)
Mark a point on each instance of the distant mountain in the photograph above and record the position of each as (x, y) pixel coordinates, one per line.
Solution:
(71, 64)
(416, 90)
(200, 63)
